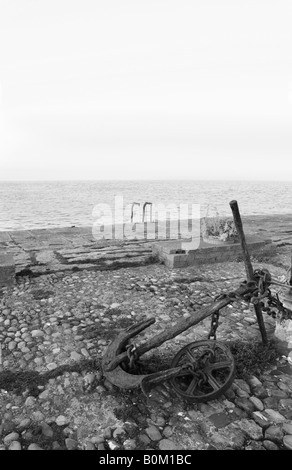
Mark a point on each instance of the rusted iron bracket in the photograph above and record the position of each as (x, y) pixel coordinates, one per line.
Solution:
(144, 210)
(132, 210)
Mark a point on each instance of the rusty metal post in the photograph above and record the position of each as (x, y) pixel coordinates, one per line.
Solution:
(248, 265)
(144, 210)
(132, 209)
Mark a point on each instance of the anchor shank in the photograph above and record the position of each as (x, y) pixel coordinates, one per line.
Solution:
(180, 326)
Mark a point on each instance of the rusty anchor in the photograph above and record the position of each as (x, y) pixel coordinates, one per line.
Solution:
(116, 353)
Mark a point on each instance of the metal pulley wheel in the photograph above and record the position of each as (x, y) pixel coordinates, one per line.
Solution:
(209, 370)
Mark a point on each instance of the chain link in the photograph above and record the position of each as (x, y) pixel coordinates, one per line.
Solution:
(132, 355)
(270, 304)
(214, 325)
(134, 365)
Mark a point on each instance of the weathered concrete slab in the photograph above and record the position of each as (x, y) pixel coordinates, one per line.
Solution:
(7, 270)
(46, 257)
(174, 254)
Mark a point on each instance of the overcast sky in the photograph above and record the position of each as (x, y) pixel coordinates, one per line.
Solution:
(145, 89)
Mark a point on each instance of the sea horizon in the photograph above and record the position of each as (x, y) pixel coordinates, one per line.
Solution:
(36, 204)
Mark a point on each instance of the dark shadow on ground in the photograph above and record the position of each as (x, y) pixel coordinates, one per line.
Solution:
(20, 381)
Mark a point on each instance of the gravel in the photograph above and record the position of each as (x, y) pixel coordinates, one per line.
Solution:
(54, 329)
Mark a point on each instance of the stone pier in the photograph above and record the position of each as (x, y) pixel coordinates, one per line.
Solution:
(45, 251)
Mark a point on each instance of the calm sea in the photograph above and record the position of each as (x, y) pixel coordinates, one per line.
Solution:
(48, 204)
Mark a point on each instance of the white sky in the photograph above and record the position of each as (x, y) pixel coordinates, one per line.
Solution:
(145, 89)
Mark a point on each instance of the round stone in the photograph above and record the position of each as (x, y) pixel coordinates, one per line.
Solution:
(34, 447)
(168, 444)
(258, 404)
(287, 428)
(159, 421)
(89, 446)
(167, 431)
(85, 352)
(13, 436)
(249, 427)
(89, 379)
(242, 384)
(287, 441)
(129, 444)
(154, 433)
(62, 420)
(12, 345)
(239, 392)
(44, 395)
(245, 404)
(274, 433)
(38, 416)
(113, 445)
(24, 424)
(275, 416)
(37, 333)
(71, 444)
(75, 356)
(15, 445)
(269, 445)
(30, 401)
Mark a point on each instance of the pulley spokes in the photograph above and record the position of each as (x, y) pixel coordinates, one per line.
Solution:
(208, 370)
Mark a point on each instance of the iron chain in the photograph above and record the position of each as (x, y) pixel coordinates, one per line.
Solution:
(260, 294)
(132, 355)
(214, 325)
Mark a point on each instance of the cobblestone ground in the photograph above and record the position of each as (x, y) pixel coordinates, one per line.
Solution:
(55, 328)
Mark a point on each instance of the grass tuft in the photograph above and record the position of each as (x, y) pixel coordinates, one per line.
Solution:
(252, 358)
